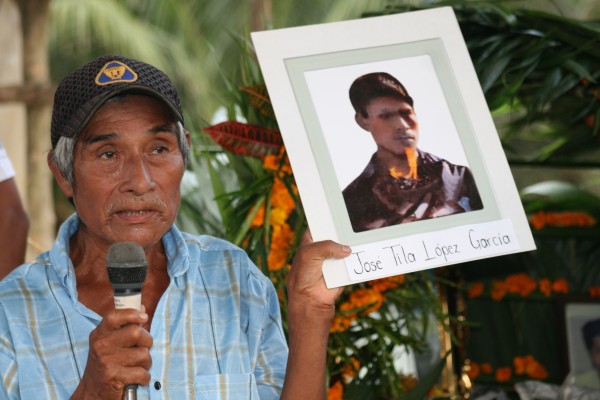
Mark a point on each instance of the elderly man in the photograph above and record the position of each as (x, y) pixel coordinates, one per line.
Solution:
(209, 327)
(401, 183)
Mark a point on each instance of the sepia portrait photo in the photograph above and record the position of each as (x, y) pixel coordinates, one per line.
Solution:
(393, 143)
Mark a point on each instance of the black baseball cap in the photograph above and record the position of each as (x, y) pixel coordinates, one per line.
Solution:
(81, 93)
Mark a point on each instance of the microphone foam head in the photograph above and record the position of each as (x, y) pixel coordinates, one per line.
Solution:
(126, 265)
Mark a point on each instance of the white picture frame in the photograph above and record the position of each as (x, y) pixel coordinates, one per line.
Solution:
(308, 70)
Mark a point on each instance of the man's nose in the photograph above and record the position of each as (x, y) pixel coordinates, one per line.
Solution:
(137, 176)
(402, 122)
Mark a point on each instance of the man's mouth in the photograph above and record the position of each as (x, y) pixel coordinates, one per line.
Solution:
(133, 212)
(136, 209)
(136, 216)
(406, 138)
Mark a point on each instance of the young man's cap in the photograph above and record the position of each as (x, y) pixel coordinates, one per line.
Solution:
(373, 85)
(81, 93)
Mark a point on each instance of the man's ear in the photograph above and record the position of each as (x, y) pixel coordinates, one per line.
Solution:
(63, 183)
(188, 137)
(362, 121)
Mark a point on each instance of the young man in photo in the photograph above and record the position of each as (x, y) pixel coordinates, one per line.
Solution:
(401, 183)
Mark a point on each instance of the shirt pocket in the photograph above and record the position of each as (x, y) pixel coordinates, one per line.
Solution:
(226, 387)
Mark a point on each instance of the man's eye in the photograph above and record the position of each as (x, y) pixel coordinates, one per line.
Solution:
(107, 154)
(160, 149)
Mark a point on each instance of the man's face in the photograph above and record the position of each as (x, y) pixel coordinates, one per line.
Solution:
(392, 123)
(127, 171)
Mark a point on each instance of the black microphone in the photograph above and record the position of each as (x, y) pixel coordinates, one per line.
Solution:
(126, 264)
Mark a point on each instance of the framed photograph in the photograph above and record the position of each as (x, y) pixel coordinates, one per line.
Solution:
(580, 334)
(391, 142)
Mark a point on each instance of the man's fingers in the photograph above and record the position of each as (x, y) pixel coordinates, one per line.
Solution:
(330, 249)
(120, 329)
(317, 252)
(119, 318)
(138, 357)
(128, 337)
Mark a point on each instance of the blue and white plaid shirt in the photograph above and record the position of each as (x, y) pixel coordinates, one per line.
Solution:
(217, 328)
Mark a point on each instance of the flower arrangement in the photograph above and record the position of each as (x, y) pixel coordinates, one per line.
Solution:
(520, 284)
(561, 208)
(524, 366)
(542, 219)
(263, 214)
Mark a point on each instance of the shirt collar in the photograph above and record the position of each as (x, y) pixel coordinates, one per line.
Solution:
(173, 241)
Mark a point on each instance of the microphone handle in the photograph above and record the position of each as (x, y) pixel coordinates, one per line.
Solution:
(132, 300)
(130, 392)
(129, 301)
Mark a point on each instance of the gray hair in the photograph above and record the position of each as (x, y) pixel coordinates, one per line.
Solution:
(62, 154)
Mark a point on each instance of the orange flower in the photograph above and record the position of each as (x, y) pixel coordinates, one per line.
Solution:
(529, 366)
(350, 369)
(336, 392)
(521, 284)
(473, 371)
(537, 371)
(278, 216)
(594, 291)
(561, 219)
(278, 162)
(281, 197)
(537, 220)
(520, 363)
(342, 322)
(560, 286)
(486, 368)
(383, 284)
(545, 287)
(259, 218)
(271, 162)
(476, 289)
(367, 297)
(503, 374)
(498, 290)
(281, 242)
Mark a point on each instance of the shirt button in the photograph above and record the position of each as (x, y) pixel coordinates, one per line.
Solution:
(157, 385)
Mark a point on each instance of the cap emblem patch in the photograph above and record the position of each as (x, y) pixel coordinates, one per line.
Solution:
(115, 72)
